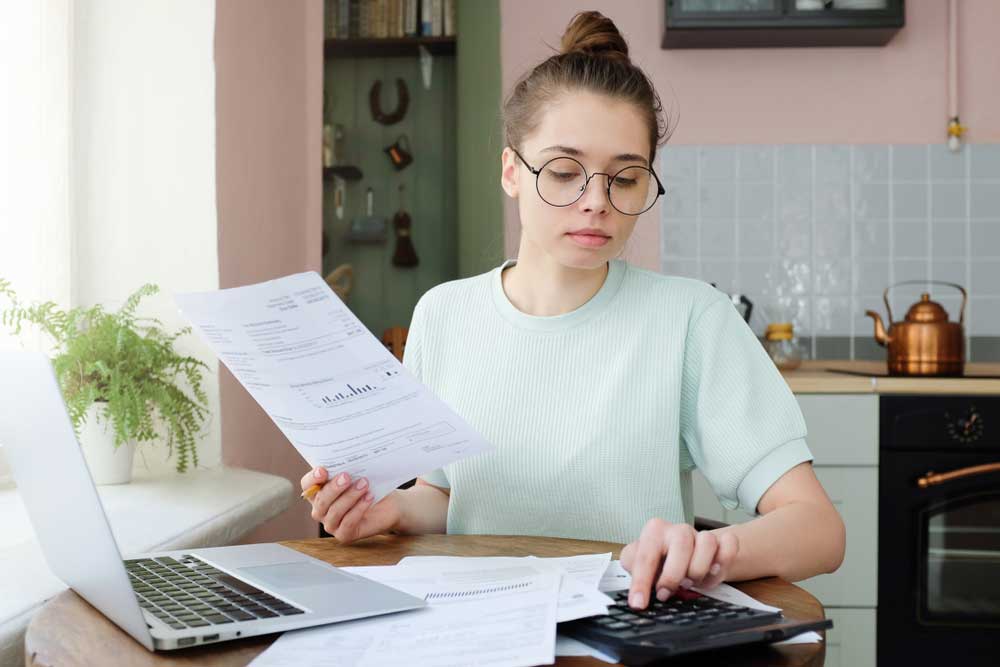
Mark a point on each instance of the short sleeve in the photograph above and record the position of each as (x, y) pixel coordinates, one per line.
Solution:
(413, 362)
(739, 422)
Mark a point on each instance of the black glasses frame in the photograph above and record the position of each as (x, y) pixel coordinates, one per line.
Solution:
(659, 186)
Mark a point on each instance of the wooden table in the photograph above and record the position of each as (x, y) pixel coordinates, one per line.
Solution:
(69, 632)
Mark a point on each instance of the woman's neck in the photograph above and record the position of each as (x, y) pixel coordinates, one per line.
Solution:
(542, 287)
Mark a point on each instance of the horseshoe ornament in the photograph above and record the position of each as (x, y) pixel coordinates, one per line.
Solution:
(375, 102)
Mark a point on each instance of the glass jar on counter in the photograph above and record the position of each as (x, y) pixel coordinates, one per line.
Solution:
(782, 346)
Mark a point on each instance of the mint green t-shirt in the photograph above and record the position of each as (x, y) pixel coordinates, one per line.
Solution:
(599, 415)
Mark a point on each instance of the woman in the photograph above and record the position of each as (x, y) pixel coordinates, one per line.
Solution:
(602, 385)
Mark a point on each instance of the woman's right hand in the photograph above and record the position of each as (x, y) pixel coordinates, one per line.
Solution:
(344, 506)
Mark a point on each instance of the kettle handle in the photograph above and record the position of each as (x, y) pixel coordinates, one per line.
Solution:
(965, 295)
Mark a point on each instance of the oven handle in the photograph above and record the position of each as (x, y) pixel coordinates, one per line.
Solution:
(932, 478)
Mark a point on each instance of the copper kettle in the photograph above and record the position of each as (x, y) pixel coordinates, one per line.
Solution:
(925, 342)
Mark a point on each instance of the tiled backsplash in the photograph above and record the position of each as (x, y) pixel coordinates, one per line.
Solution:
(815, 233)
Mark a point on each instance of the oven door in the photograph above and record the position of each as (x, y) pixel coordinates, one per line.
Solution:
(939, 557)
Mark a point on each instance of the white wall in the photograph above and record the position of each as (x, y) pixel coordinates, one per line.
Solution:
(144, 164)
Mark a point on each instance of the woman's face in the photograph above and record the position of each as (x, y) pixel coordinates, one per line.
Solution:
(604, 135)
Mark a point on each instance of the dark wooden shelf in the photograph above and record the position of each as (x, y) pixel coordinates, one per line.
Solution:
(782, 26)
(388, 47)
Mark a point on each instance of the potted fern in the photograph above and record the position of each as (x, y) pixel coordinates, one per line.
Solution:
(122, 380)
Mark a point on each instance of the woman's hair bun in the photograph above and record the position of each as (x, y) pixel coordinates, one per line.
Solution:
(594, 33)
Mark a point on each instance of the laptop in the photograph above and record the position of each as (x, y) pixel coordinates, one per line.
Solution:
(170, 599)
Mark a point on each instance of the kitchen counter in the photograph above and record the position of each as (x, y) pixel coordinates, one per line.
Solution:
(814, 377)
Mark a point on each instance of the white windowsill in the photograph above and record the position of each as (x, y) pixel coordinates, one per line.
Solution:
(202, 508)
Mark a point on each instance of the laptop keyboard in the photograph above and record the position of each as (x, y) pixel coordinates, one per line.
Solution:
(687, 612)
(189, 593)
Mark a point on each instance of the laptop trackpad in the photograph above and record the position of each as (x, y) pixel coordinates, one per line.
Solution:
(296, 575)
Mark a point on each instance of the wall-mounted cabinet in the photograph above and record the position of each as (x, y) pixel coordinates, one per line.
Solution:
(771, 23)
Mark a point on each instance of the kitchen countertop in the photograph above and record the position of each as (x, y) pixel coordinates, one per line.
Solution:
(814, 377)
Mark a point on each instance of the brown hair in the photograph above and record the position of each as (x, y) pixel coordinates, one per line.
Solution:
(593, 57)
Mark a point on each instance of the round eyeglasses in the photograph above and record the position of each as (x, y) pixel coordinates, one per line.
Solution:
(562, 181)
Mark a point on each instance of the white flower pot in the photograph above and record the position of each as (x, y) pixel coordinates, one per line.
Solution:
(108, 464)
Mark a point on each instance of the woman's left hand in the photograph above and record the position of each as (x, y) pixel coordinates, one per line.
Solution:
(668, 556)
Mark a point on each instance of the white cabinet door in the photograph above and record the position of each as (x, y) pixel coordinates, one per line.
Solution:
(842, 429)
(854, 492)
(851, 641)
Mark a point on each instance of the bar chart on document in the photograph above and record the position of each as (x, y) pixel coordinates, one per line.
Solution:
(332, 388)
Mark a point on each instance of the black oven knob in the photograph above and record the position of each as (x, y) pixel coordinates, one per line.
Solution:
(966, 427)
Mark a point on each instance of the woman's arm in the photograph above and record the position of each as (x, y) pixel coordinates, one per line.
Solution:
(423, 508)
(799, 535)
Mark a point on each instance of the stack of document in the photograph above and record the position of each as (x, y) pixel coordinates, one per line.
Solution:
(500, 611)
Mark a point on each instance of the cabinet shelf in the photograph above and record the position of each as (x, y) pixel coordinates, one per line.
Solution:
(388, 47)
(778, 23)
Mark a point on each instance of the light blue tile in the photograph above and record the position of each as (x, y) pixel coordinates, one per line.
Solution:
(755, 276)
(756, 238)
(871, 275)
(756, 201)
(910, 269)
(680, 239)
(793, 204)
(722, 272)
(794, 239)
(909, 200)
(681, 267)
(984, 161)
(833, 164)
(909, 239)
(756, 163)
(718, 200)
(870, 163)
(985, 239)
(832, 238)
(871, 239)
(871, 201)
(791, 276)
(679, 164)
(718, 238)
(948, 239)
(831, 316)
(681, 201)
(833, 201)
(952, 271)
(986, 277)
(948, 200)
(832, 276)
(984, 316)
(795, 164)
(946, 165)
(984, 200)
(909, 162)
(718, 163)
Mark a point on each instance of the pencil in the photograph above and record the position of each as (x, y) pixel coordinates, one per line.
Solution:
(311, 491)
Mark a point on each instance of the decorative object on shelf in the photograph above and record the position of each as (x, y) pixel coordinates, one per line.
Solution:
(925, 342)
(400, 155)
(121, 378)
(341, 280)
(781, 346)
(955, 129)
(402, 102)
(426, 65)
(370, 228)
(405, 254)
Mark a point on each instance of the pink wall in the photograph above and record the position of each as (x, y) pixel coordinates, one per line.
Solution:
(891, 94)
(269, 83)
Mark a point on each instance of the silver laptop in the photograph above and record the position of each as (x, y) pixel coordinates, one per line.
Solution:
(171, 599)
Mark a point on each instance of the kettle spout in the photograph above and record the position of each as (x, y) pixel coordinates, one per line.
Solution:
(881, 337)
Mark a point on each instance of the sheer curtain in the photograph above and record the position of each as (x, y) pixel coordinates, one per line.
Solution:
(35, 232)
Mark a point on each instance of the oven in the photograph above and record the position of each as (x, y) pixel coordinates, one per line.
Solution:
(939, 530)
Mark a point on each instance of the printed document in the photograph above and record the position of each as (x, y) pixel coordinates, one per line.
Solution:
(333, 389)
(502, 616)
